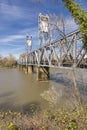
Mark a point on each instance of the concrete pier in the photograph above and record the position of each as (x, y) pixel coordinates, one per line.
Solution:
(24, 69)
(30, 69)
(43, 73)
(20, 67)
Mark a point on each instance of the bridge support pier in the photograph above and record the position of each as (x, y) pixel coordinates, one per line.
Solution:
(24, 68)
(43, 73)
(20, 67)
(30, 69)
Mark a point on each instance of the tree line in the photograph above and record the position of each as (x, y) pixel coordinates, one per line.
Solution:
(8, 61)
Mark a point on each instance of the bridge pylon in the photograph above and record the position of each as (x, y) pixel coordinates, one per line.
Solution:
(44, 32)
(43, 73)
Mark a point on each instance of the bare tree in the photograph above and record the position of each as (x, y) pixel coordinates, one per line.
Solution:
(59, 26)
(8, 61)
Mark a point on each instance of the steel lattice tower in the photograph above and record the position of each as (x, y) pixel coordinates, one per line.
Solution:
(44, 33)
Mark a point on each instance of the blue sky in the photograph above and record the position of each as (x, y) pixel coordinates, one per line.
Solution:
(19, 18)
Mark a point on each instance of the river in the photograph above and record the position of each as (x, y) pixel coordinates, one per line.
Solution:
(19, 91)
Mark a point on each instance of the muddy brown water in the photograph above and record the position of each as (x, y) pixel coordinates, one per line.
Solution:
(19, 91)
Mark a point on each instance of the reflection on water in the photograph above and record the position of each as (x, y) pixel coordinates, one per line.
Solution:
(19, 91)
(52, 95)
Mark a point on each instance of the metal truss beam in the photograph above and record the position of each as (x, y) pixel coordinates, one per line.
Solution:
(65, 51)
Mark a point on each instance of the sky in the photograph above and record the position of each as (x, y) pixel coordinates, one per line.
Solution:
(19, 18)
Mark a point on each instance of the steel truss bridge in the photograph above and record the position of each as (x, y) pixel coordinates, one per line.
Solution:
(62, 52)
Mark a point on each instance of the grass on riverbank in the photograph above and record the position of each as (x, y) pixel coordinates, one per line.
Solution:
(47, 120)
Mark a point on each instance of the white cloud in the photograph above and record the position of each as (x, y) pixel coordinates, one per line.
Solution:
(11, 38)
(13, 15)
(10, 10)
(19, 40)
(10, 44)
(70, 24)
(30, 31)
(17, 12)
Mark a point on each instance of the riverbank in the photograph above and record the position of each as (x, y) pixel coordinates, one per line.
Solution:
(8, 67)
(18, 92)
(54, 119)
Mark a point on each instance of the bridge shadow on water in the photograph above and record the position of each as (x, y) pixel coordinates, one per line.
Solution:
(60, 79)
(66, 83)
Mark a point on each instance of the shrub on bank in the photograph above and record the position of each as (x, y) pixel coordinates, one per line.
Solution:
(8, 61)
(47, 120)
(11, 126)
